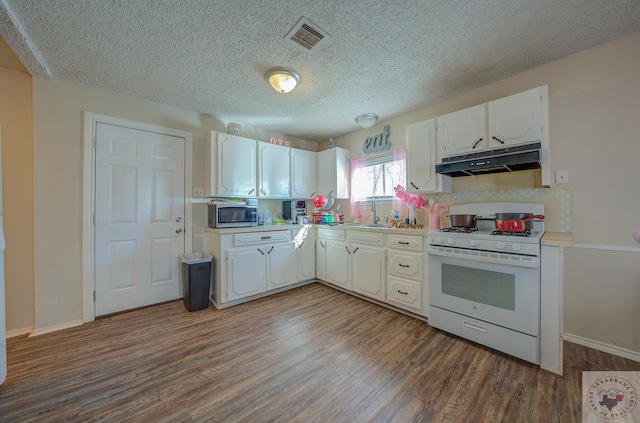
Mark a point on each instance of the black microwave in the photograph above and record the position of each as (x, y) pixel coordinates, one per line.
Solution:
(232, 215)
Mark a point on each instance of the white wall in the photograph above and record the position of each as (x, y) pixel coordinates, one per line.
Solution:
(594, 113)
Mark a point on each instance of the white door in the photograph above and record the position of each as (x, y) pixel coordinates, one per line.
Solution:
(368, 271)
(282, 264)
(139, 218)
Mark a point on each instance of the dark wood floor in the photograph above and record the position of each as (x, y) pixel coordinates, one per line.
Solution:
(313, 354)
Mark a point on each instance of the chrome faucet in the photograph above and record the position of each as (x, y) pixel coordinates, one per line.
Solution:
(376, 219)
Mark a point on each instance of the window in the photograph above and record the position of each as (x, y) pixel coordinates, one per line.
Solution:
(377, 176)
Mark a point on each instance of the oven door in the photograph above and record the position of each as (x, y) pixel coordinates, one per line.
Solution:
(505, 295)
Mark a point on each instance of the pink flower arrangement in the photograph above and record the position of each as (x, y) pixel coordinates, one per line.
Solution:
(414, 200)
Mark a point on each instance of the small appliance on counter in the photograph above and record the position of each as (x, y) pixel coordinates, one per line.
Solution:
(294, 210)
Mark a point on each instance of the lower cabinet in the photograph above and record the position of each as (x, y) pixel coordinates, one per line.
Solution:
(406, 286)
(305, 252)
(251, 263)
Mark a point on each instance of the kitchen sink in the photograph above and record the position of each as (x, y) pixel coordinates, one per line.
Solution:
(367, 225)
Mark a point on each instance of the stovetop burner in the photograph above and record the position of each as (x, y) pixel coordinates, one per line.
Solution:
(461, 229)
(526, 232)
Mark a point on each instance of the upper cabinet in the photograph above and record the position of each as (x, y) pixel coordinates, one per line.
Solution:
(509, 121)
(273, 171)
(303, 174)
(423, 153)
(231, 165)
(333, 172)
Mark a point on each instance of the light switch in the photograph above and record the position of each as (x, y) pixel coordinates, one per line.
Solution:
(562, 176)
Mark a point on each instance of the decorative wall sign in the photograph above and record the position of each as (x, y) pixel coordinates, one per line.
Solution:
(378, 143)
(279, 142)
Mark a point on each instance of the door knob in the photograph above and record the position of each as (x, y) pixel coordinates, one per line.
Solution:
(178, 219)
(178, 230)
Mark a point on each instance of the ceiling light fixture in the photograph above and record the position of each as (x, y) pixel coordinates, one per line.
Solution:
(282, 80)
(367, 120)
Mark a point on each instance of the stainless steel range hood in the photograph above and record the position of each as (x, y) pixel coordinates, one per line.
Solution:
(510, 159)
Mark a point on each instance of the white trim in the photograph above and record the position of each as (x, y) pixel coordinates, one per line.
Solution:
(607, 248)
(57, 327)
(601, 346)
(18, 332)
(90, 122)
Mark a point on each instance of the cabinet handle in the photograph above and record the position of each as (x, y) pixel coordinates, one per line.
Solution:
(265, 237)
(321, 244)
(269, 252)
(260, 251)
(478, 141)
(413, 185)
(347, 248)
(312, 194)
(403, 265)
(474, 326)
(251, 192)
(357, 248)
(403, 243)
(263, 191)
(301, 244)
(402, 292)
(498, 139)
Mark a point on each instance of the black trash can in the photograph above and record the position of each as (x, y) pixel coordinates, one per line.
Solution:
(196, 279)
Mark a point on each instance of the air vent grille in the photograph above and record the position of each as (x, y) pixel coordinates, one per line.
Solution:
(306, 34)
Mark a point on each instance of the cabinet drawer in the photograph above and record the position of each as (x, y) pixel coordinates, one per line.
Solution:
(404, 293)
(261, 237)
(405, 242)
(328, 233)
(405, 265)
(371, 238)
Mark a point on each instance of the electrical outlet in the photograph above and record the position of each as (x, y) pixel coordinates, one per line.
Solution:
(562, 176)
(198, 192)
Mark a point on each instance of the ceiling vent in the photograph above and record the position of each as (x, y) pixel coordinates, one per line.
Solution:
(306, 34)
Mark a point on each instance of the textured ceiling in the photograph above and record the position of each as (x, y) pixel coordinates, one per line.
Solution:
(383, 57)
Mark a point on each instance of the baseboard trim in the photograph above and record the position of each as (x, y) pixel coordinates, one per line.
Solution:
(55, 328)
(18, 332)
(601, 346)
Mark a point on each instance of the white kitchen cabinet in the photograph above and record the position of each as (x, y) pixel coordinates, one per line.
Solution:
(236, 166)
(246, 272)
(367, 253)
(273, 171)
(423, 153)
(518, 119)
(337, 264)
(321, 259)
(465, 131)
(306, 252)
(248, 265)
(333, 172)
(304, 174)
(406, 287)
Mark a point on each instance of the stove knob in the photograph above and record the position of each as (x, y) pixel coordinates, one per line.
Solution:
(451, 241)
(474, 243)
(439, 240)
(516, 247)
(501, 245)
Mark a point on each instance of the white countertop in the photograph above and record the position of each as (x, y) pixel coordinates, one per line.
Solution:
(349, 226)
(558, 239)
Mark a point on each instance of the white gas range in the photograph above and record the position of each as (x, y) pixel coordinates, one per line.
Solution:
(484, 286)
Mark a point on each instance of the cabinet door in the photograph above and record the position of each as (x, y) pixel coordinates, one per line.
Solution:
(282, 266)
(333, 172)
(368, 271)
(210, 164)
(465, 131)
(246, 272)
(337, 260)
(273, 171)
(422, 157)
(306, 253)
(304, 169)
(236, 166)
(321, 259)
(515, 119)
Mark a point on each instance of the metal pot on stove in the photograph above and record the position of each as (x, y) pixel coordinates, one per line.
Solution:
(463, 220)
(516, 222)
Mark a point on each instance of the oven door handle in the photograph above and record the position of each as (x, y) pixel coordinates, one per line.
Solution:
(515, 260)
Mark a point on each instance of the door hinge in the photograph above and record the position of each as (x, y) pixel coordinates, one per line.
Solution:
(94, 296)
(94, 218)
(95, 142)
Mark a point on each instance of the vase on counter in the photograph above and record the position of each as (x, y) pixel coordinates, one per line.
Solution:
(434, 216)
